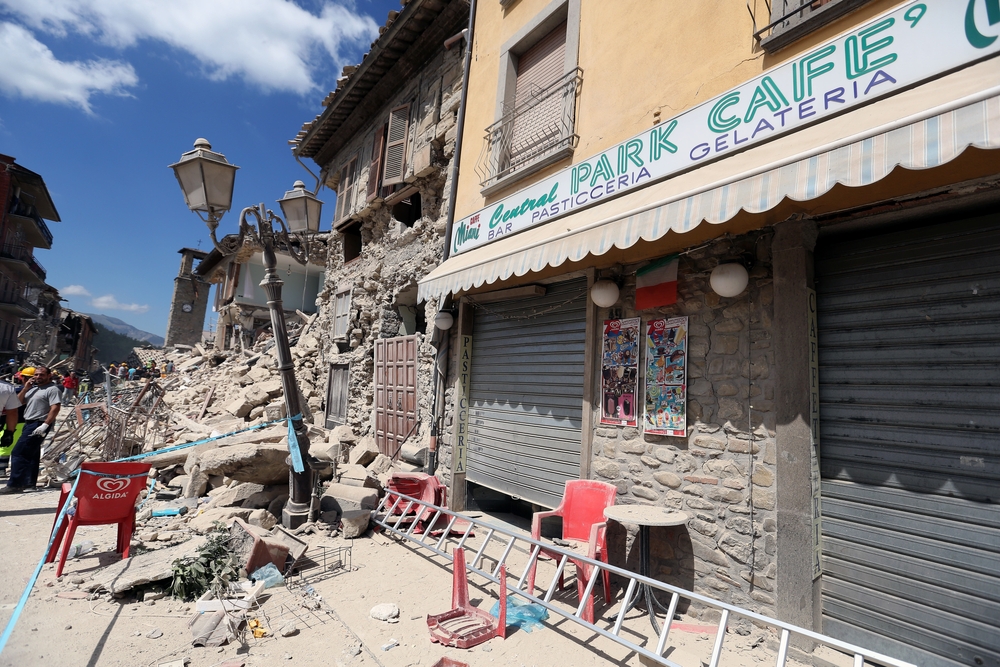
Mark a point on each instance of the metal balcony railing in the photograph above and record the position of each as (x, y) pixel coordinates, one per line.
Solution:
(533, 133)
(19, 302)
(23, 254)
(39, 224)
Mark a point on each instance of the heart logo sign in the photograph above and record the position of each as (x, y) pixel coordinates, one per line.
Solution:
(111, 485)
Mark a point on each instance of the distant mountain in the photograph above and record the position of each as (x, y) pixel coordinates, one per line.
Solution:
(126, 329)
(113, 347)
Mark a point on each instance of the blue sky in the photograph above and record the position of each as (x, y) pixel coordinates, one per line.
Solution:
(99, 96)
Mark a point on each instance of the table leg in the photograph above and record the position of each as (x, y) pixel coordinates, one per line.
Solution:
(651, 602)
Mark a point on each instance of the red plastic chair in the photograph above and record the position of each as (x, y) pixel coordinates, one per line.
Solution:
(582, 512)
(101, 500)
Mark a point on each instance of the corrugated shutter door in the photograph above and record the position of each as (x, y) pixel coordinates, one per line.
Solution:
(527, 394)
(910, 442)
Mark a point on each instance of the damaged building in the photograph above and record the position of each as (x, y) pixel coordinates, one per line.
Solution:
(241, 302)
(384, 144)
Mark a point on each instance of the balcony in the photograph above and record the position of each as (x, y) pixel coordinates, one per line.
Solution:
(19, 260)
(18, 306)
(36, 232)
(536, 133)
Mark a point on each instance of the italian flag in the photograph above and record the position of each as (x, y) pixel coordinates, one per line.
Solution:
(656, 284)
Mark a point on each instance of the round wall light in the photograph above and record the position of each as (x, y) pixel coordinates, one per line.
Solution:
(444, 320)
(729, 279)
(604, 293)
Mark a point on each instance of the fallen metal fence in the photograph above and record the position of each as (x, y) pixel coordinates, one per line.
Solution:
(417, 512)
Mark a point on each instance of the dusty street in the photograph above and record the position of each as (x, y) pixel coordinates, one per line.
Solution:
(65, 624)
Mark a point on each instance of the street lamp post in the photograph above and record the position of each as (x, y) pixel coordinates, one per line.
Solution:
(206, 179)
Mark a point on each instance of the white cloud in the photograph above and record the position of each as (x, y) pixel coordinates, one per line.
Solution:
(74, 290)
(274, 44)
(109, 302)
(32, 71)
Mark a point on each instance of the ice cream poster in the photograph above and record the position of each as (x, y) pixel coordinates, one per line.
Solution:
(666, 377)
(620, 372)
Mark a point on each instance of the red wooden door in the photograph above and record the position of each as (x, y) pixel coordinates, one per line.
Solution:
(395, 392)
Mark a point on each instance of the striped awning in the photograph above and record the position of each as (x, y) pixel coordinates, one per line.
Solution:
(921, 128)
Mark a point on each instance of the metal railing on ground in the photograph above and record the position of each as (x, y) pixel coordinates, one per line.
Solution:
(413, 512)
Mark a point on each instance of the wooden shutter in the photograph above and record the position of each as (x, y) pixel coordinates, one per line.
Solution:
(336, 395)
(341, 313)
(345, 189)
(395, 149)
(378, 146)
(541, 66)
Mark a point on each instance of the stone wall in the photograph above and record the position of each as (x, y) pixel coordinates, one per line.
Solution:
(723, 472)
(394, 256)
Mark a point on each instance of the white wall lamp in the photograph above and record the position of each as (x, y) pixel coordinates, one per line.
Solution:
(444, 320)
(730, 279)
(604, 293)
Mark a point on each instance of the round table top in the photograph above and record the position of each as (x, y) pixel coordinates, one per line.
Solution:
(645, 515)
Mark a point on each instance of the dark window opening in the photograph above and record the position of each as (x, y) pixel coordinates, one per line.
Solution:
(352, 241)
(408, 210)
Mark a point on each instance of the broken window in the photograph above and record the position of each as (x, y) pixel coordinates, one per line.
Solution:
(407, 211)
(341, 313)
(352, 241)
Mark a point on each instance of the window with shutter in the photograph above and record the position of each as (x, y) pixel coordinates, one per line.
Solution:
(374, 170)
(345, 190)
(341, 313)
(797, 18)
(395, 148)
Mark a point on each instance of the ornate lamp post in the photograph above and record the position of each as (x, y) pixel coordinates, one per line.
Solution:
(206, 179)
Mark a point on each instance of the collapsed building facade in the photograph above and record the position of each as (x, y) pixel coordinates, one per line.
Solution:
(384, 144)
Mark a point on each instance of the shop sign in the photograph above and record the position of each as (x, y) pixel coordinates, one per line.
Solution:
(620, 372)
(666, 377)
(916, 42)
(462, 398)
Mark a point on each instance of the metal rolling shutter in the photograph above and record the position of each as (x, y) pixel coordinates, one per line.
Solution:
(527, 394)
(910, 441)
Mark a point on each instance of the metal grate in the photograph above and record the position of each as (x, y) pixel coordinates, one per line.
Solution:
(540, 126)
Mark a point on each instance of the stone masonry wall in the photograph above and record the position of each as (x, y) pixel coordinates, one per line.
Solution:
(723, 472)
(393, 256)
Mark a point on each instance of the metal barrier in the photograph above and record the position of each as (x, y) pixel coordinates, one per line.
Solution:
(416, 511)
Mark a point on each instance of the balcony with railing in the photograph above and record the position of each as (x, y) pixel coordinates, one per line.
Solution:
(535, 133)
(13, 302)
(36, 233)
(18, 258)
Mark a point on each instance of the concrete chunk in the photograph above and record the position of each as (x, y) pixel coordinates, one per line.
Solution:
(364, 452)
(343, 498)
(143, 568)
(263, 464)
(235, 495)
(355, 475)
(204, 521)
(354, 523)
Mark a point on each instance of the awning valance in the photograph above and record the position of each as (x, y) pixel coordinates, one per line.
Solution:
(921, 128)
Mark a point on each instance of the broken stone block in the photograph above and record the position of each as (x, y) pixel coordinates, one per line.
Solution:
(275, 411)
(326, 451)
(384, 612)
(381, 465)
(272, 388)
(354, 523)
(355, 475)
(263, 519)
(263, 499)
(256, 396)
(142, 568)
(364, 452)
(415, 454)
(239, 407)
(234, 495)
(179, 482)
(197, 483)
(263, 464)
(207, 518)
(344, 435)
(343, 498)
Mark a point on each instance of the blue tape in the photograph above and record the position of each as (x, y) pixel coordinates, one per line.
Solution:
(293, 445)
(197, 442)
(34, 577)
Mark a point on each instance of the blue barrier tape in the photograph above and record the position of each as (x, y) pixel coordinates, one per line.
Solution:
(293, 445)
(197, 442)
(34, 577)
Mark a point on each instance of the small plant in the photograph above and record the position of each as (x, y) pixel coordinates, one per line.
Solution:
(215, 564)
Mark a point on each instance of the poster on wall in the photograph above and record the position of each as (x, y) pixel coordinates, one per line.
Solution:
(666, 377)
(620, 372)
